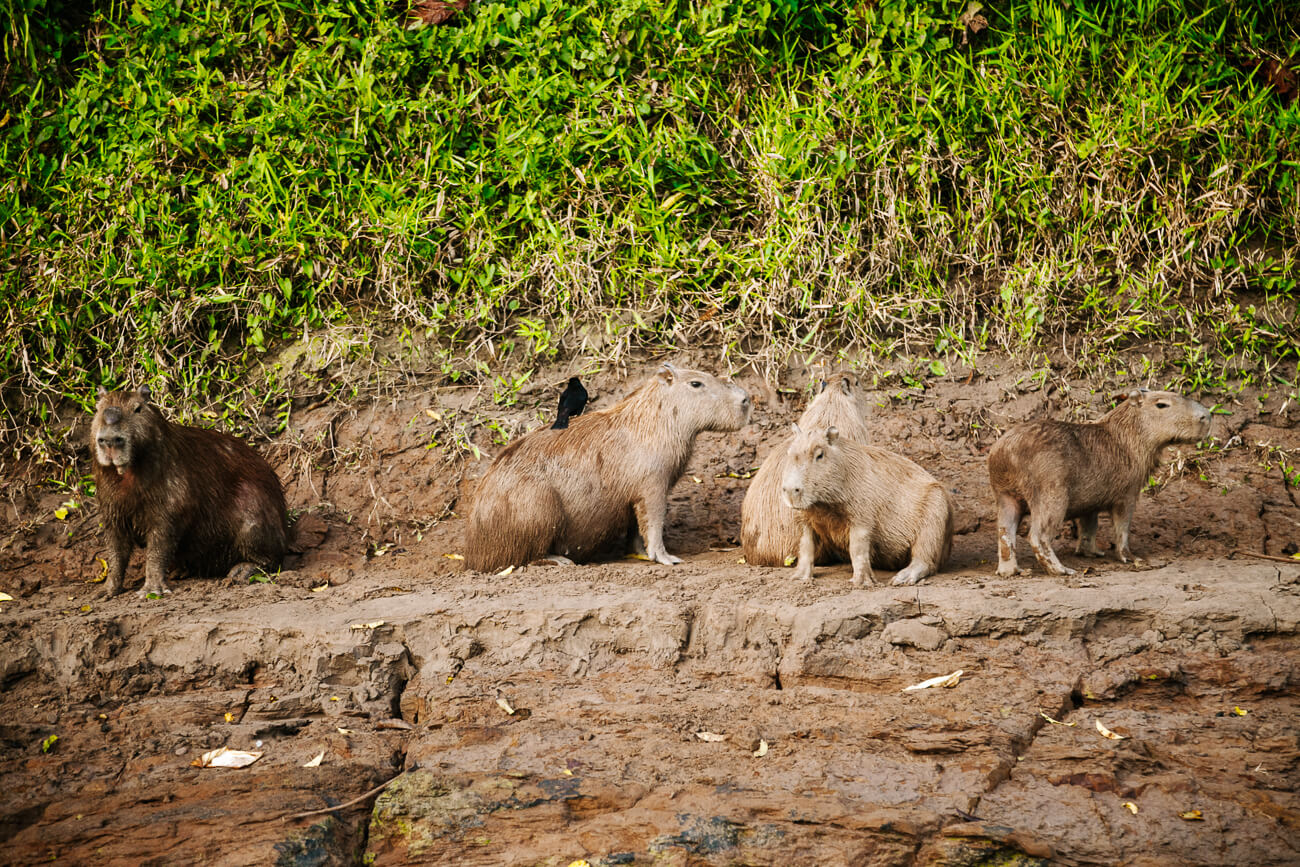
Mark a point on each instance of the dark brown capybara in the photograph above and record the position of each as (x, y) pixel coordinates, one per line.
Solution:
(769, 529)
(879, 508)
(576, 493)
(198, 499)
(1058, 470)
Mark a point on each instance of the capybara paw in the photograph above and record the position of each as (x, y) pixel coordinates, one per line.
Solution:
(1006, 570)
(666, 559)
(1059, 570)
(112, 588)
(802, 576)
(241, 572)
(903, 579)
(155, 592)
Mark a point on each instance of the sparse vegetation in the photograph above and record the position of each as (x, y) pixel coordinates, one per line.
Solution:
(185, 187)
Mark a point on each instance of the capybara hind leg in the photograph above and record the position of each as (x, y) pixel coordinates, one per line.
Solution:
(932, 544)
(1042, 527)
(1008, 526)
(651, 512)
(1086, 529)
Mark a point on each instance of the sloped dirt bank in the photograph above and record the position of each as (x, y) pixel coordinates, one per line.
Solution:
(376, 649)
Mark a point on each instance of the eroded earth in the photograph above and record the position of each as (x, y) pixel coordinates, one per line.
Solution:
(631, 713)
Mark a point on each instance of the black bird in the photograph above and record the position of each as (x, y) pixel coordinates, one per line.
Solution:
(572, 401)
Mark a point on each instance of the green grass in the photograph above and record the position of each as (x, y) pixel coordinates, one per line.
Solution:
(184, 189)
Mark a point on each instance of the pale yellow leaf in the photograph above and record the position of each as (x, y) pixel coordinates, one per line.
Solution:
(943, 680)
(1107, 733)
(315, 763)
(374, 624)
(454, 556)
(1055, 722)
(1131, 807)
(762, 750)
(710, 737)
(506, 571)
(505, 706)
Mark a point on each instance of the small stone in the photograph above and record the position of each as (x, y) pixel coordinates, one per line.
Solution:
(914, 633)
(180, 751)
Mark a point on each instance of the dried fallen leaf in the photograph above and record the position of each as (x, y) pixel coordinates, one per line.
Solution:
(344, 731)
(320, 588)
(1055, 722)
(433, 415)
(224, 757)
(761, 751)
(1239, 711)
(1107, 733)
(315, 763)
(454, 556)
(579, 863)
(790, 561)
(635, 556)
(945, 680)
(5, 597)
(1191, 815)
(1131, 807)
(61, 513)
(334, 698)
(697, 480)
(710, 737)
(505, 706)
(374, 624)
(394, 723)
(506, 571)
(230, 717)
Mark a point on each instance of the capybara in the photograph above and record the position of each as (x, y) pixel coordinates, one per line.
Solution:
(1057, 470)
(575, 493)
(572, 402)
(877, 507)
(769, 529)
(194, 498)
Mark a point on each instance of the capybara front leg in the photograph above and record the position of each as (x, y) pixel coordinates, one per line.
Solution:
(860, 555)
(1122, 518)
(1008, 526)
(651, 512)
(241, 572)
(803, 568)
(1086, 528)
(119, 554)
(160, 548)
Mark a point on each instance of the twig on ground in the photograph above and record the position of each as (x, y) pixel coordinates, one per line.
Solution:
(1293, 561)
(357, 800)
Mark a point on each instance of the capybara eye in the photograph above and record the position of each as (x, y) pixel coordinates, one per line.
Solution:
(818, 456)
(1162, 404)
(695, 383)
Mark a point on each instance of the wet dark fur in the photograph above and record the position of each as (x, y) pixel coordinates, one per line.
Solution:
(197, 499)
(1056, 471)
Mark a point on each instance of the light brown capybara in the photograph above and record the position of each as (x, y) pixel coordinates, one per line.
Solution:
(577, 492)
(769, 529)
(194, 498)
(877, 507)
(1057, 470)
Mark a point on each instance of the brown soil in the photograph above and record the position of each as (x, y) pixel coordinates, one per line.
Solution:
(405, 663)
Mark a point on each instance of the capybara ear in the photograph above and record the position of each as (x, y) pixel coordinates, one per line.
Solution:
(667, 373)
(101, 391)
(794, 426)
(832, 434)
(821, 386)
(144, 393)
(846, 384)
